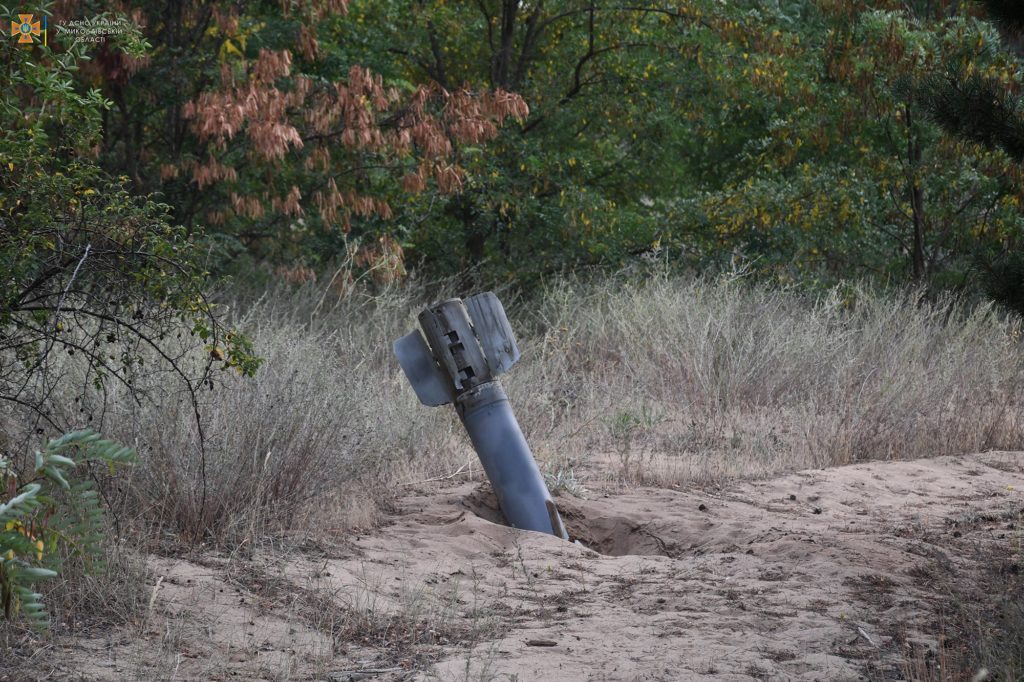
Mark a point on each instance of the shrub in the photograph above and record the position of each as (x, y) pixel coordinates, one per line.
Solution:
(52, 511)
(89, 270)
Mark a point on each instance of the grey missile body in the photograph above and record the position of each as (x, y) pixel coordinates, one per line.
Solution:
(466, 347)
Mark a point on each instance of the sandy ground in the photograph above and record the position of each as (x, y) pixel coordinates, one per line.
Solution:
(837, 574)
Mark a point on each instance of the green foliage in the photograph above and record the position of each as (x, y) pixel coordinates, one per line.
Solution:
(52, 512)
(706, 132)
(976, 108)
(606, 84)
(982, 105)
(1003, 281)
(90, 266)
(264, 135)
(789, 134)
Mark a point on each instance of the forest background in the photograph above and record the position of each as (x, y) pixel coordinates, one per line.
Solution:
(526, 139)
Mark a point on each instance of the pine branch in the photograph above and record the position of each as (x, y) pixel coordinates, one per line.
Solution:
(975, 108)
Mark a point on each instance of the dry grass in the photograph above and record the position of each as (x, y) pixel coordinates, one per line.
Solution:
(324, 428)
(662, 381)
(979, 626)
(699, 380)
(79, 601)
(667, 380)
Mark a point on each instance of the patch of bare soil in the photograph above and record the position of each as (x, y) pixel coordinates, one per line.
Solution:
(818, 575)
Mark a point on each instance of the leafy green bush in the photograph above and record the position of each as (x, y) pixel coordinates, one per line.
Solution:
(92, 268)
(51, 512)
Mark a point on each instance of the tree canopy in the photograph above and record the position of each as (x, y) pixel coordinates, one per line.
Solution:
(287, 138)
(986, 108)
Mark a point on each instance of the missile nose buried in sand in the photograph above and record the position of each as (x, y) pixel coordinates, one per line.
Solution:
(468, 344)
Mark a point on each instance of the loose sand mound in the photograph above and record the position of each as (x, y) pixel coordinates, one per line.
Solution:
(819, 575)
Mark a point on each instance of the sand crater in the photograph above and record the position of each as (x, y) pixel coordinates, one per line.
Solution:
(606, 533)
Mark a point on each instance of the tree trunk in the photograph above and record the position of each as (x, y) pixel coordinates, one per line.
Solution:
(917, 256)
